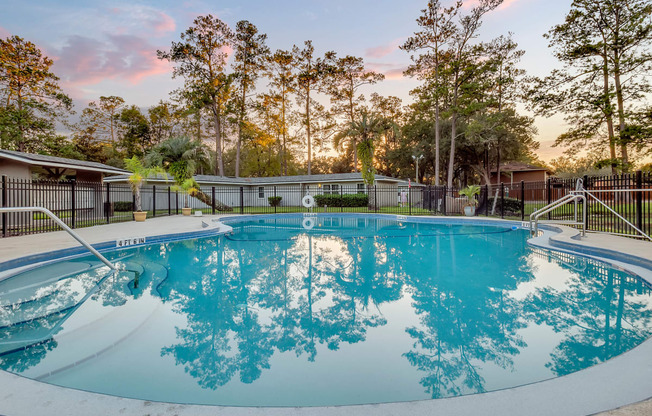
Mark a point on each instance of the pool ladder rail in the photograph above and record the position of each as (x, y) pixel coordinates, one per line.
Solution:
(583, 195)
(65, 227)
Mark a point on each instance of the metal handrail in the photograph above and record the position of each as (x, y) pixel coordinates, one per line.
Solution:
(574, 196)
(64, 226)
(580, 193)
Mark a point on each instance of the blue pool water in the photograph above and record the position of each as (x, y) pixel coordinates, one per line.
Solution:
(288, 311)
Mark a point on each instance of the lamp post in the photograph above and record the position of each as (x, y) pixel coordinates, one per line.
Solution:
(417, 159)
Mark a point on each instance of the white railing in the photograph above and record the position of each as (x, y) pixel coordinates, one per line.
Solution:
(64, 226)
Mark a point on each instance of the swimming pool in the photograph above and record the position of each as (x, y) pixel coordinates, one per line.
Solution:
(300, 311)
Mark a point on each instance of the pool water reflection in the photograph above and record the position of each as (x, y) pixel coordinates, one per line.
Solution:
(354, 310)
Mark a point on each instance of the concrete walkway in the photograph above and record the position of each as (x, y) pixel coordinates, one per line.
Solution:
(625, 379)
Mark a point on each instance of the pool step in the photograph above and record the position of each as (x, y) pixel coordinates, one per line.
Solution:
(43, 282)
(29, 324)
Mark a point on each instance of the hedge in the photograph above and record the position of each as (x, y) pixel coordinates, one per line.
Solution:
(511, 205)
(123, 206)
(346, 200)
(274, 201)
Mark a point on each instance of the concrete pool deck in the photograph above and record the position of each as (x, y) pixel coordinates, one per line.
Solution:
(616, 383)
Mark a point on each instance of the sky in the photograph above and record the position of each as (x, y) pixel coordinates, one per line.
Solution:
(109, 47)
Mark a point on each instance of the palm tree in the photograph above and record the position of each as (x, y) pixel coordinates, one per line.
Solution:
(139, 175)
(181, 157)
(363, 133)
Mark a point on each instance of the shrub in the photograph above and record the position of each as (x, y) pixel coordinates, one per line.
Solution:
(123, 206)
(275, 201)
(511, 205)
(346, 200)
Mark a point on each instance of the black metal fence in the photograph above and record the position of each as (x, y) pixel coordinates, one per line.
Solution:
(83, 204)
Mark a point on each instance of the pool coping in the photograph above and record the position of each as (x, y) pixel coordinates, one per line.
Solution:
(620, 381)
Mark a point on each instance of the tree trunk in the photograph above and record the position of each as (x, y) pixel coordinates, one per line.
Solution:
(308, 129)
(621, 111)
(240, 121)
(608, 110)
(208, 201)
(218, 141)
(437, 138)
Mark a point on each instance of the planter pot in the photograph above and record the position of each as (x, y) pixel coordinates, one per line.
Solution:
(186, 211)
(469, 210)
(140, 216)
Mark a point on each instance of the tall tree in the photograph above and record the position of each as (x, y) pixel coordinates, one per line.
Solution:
(283, 79)
(250, 53)
(309, 78)
(437, 29)
(200, 59)
(31, 97)
(344, 77)
(599, 43)
(104, 117)
(461, 55)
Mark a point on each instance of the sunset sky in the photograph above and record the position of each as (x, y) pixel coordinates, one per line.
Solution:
(109, 48)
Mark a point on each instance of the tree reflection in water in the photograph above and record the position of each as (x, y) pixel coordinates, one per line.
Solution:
(475, 295)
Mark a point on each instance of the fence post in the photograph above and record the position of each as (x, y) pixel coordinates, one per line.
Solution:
(176, 201)
(4, 205)
(275, 199)
(107, 206)
(133, 206)
(213, 200)
(639, 200)
(585, 204)
(486, 205)
(169, 201)
(341, 198)
(443, 190)
(502, 200)
(74, 205)
(376, 198)
(241, 200)
(522, 200)
(410, 199)
(153, 201)
(548, 195)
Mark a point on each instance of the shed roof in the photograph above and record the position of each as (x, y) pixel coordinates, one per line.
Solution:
(520, 167)
(59, 162)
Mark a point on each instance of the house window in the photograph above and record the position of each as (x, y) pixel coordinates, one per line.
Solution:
(361, 189)
(261, 192)
(327, 189)
(335, 189)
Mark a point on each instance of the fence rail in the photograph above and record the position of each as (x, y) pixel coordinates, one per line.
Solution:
(83, 204)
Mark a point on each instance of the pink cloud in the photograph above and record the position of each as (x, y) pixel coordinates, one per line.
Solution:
(383, 50)
(163, 24)
(391, 71)
(85, 61)
(4, 33)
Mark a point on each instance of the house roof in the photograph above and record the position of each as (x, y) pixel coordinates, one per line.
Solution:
(273, 180)
(520, 167)
(59, 162)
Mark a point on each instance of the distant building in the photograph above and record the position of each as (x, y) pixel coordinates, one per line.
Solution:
(291, 189)
(514, 172)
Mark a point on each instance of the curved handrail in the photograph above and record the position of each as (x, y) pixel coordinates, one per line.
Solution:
(64, 226)
(574, 196)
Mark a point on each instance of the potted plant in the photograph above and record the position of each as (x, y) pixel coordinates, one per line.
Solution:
(470, 193)
(138, 177)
